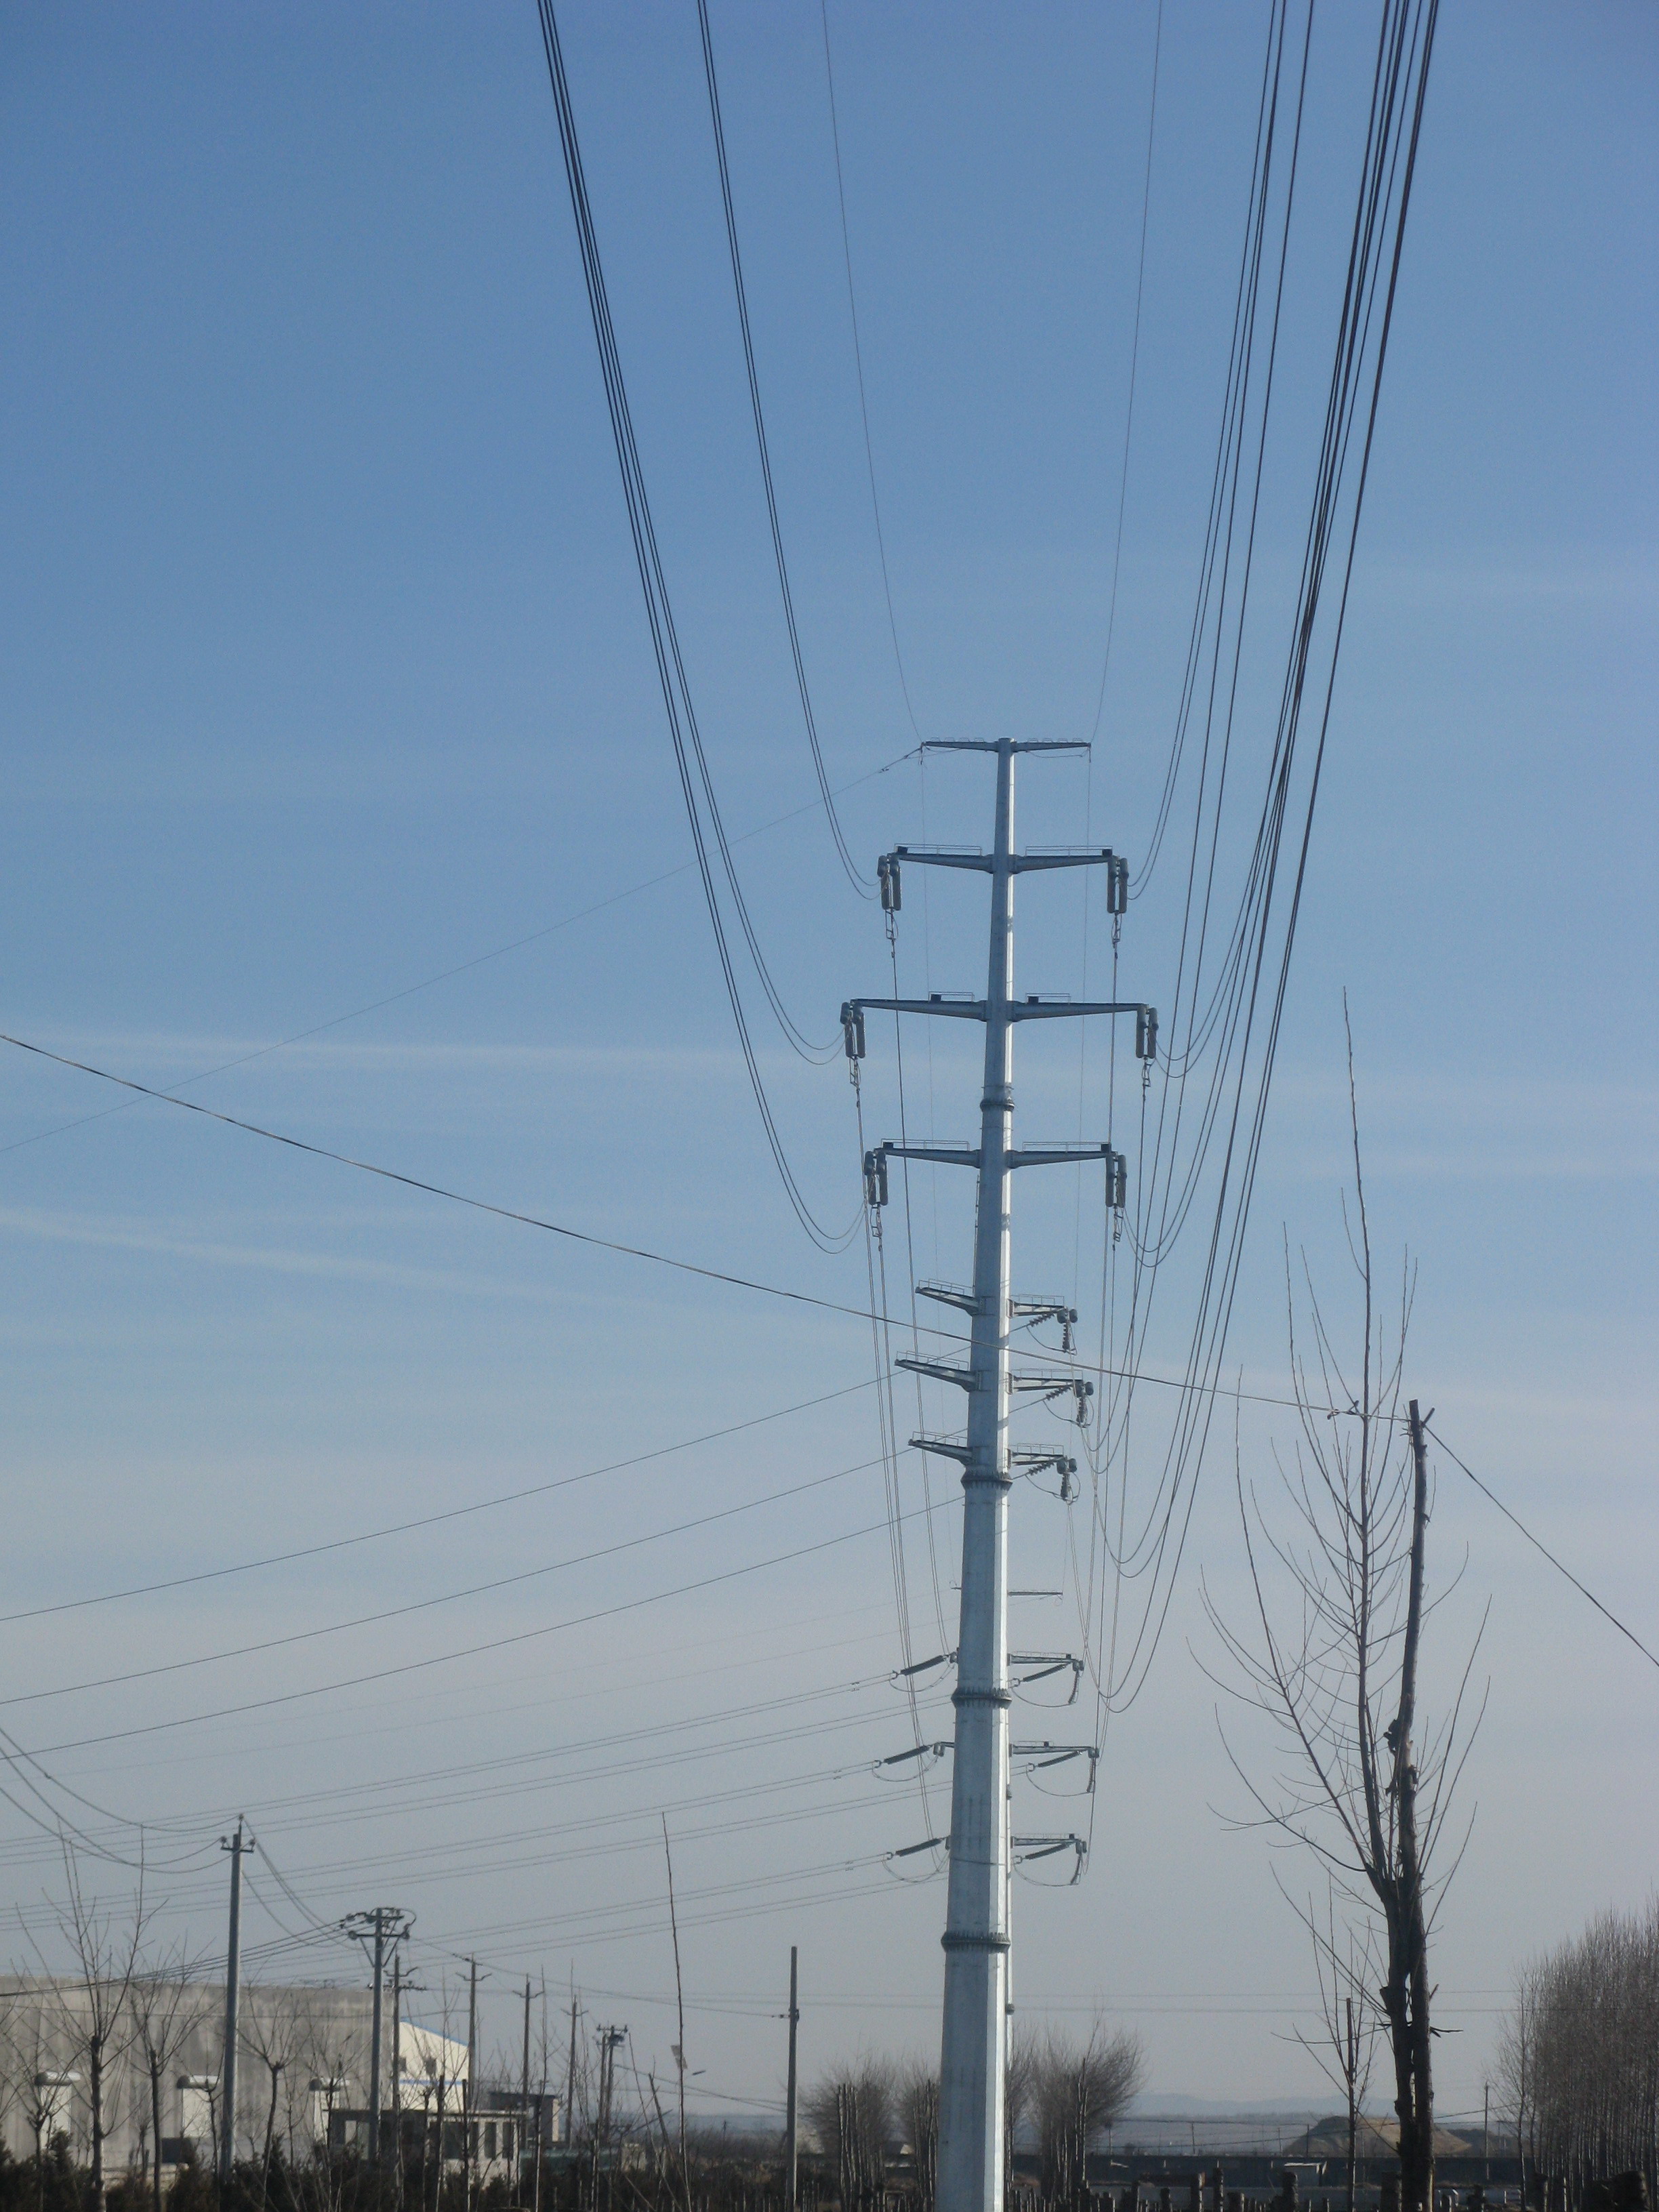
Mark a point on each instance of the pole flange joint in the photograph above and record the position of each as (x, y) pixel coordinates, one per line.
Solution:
(960, 1940)
(1002, 1697)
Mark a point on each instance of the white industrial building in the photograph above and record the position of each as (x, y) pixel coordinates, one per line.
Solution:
(303, 2072)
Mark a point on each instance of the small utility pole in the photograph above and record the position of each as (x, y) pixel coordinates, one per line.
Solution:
(397, 2072)
(789, 2123)
(238, 1849)
(524, 2105)
(470, 2106)
(376, 1927)
(570, 2081)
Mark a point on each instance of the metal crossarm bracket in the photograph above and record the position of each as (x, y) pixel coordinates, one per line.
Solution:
(1032, 1009)
(939, 1369)
(943, 1448)
(947, 1294)
(1056, 1156)
(1100, 858)
(970, 1010)
(950, 1156)
(1035, 1462)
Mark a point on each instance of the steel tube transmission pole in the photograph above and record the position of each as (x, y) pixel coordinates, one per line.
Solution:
(974, 2048)
(977, 1942)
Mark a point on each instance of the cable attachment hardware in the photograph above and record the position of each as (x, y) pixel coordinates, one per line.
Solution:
(1145, 1032)
(875, 1178)
(1083, 1392)
(1117, 883)
(1117, 1191)
(852, 1028)
(887, 876)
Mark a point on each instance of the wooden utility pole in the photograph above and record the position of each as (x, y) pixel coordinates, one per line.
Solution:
(1407, 1994)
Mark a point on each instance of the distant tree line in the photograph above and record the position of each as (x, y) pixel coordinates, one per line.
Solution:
(1580, 2058)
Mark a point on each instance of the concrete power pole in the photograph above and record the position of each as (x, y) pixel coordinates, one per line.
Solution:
(382, 1924)
(470, 2105)
(523, 2107)
(976, 1940)
(789, 2145)
(238, 1849)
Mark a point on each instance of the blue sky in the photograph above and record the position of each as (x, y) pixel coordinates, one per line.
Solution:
(326, 673)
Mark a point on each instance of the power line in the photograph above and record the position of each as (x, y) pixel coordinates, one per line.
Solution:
(427, 1520)
(857, 362)
(471, 1650)
(1539, 1547)
(462, 966)
(431, 1189)
(428, 1604)
(859, 882)
(681, 712)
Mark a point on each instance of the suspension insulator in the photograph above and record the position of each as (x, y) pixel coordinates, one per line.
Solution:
(1083, 1392)
(1117, 884)
(1146, 1033)
(1117, 1182)
(887, 875)
(875, 1178)
(1067, 1480)
(851, 1029)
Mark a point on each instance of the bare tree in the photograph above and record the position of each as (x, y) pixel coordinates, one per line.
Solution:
(1078, 2092)
(166, 2009)
(271, 2029)
(92, 2001)
(1018, 2085)
(1333, 1661)
(916, 2092)
(1345, 1965)
(331, 2054)
(1516, 2057)
(850, 2113)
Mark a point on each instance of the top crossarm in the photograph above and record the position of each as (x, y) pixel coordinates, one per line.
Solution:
(970, 1010)
(1018, 745)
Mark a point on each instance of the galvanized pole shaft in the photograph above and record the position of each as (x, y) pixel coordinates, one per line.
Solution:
(237, 1848)
(789, 2141)
(974, 2047)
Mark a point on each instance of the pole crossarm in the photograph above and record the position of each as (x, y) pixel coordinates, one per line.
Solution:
(938, 1370)
(1056, 1156)
(1023, 1156)
(1050, 1010)
(950, 1156)
(1006, 745)
(943, 1448)
(966, 1010)
(950, 1294)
